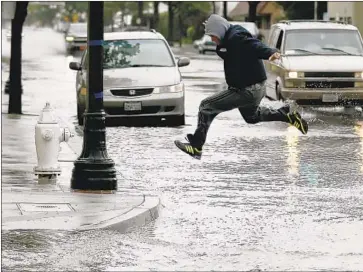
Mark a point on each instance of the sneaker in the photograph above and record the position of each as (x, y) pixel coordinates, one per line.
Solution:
(189, 149)
(297, 121)
(285, 109)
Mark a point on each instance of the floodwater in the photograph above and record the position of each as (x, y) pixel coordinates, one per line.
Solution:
(263, 196)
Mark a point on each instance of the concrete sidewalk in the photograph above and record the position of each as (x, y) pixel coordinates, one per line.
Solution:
(26, 204)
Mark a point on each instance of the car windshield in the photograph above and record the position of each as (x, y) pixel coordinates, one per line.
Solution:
(136, 53)
(323, 42)
(78, 28)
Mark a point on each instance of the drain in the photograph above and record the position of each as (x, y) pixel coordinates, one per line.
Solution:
(44, 207)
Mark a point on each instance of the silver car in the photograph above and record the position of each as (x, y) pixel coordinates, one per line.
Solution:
(322, 63)
(141, 78)
(76, 37)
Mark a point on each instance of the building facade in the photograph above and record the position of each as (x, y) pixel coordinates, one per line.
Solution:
(350, 12)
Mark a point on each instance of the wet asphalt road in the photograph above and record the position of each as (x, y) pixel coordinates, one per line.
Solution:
(263, 196)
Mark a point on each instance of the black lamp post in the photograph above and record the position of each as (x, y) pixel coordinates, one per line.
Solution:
(94, 170)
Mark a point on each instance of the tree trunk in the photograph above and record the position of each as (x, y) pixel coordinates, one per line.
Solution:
(15, 87)
(170, 23)
(156, 15)
(112, 22)
(180, 28)
(252, 11)
(322, 8)
(140, 6)
(123, 11)
(225, 12)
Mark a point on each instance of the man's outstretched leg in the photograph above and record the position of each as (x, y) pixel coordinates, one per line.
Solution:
(253, 113)
(209, 108)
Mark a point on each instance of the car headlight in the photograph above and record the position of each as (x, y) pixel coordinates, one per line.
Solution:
(358, 75)
(170, 89)
(69, 39)
(294, 74)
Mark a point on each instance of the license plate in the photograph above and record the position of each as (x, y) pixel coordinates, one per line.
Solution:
(330, 98)
(82, 48)
(132, 106)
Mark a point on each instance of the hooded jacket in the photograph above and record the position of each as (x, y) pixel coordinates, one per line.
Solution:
(242, 54)
(216, 26)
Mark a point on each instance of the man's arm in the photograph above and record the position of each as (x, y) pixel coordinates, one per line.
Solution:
(256, 47)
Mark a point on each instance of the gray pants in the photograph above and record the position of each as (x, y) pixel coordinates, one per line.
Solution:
(247, 101)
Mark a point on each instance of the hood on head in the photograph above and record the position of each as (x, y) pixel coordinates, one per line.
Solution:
(216, 26)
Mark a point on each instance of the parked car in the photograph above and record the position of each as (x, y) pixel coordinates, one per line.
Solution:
(141, 78)
(321, 64)
(196, 43)
(76, 37)
(250, 26)
(206, 44)
(61, 26)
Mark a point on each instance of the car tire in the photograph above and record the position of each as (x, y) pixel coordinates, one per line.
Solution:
(203, 52)
(80, 117)
(70, 50)
(176, 121)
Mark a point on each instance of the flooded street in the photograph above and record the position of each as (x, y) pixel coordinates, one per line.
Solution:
(263, 196)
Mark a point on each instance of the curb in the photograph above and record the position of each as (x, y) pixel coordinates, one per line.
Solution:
(35, 207)
(121, 219)
(139, 216)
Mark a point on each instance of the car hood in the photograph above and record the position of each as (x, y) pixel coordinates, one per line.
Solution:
(140, 77)
(331, 63)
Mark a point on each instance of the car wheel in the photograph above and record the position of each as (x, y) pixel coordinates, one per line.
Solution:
(176, 120)
(80, 116)
(203, 52)
(360, 105)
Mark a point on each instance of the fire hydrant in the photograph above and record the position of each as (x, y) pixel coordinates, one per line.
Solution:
(48, 136)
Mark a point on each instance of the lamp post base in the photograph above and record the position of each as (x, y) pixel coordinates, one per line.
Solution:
(94, 170)
(94, 175)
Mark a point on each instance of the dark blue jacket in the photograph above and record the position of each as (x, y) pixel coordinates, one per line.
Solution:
(242, 57)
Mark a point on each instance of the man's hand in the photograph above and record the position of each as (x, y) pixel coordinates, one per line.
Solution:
(275, 56)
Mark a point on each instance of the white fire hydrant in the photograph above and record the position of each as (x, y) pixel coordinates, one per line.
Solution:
(48, 136)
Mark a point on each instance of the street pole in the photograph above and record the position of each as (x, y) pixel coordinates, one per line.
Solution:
(14, 86)
(225, 10)
(315, 10)
(94, 170)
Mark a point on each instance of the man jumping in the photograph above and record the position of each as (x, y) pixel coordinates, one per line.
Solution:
(245, 76)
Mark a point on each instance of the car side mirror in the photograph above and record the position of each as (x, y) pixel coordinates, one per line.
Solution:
(183, 62)
(75, 66)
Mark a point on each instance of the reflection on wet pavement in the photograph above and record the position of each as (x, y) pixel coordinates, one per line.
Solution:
(263, 197)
